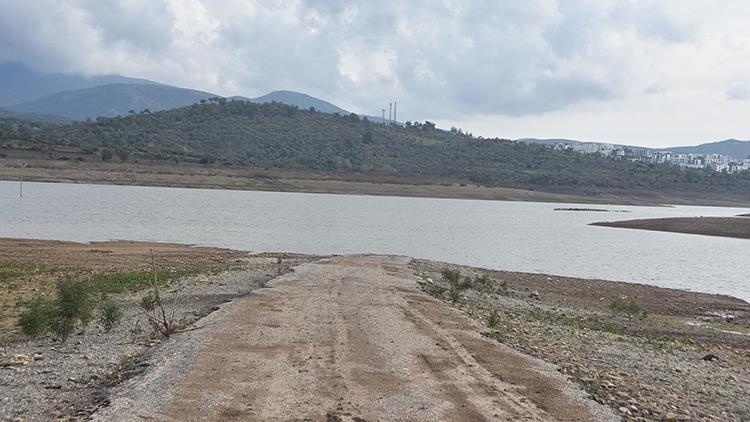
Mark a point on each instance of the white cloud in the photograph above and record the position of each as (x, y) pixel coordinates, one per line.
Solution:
(648, 72)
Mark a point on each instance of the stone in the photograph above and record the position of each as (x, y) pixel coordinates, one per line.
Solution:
(17, 360)
(710, 357)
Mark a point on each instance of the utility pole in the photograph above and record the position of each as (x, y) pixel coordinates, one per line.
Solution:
(390, 112)
(394, 112)
(383, 115)
(20, 186)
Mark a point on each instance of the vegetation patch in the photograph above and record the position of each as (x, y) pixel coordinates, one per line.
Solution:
(73, 307)
(225, 133)
(627, 307)
(120, 282)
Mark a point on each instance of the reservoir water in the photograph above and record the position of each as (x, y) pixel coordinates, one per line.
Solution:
(514, 236)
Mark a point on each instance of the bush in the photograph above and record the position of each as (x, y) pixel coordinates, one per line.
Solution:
(435, 290)
(480, 283)
(35, 321)
(107, 155)
(74, 305)
(630, 308)
(455, 284)
(494, 319)
(110, 314)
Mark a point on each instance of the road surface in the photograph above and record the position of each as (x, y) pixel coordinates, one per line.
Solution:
(353, 339)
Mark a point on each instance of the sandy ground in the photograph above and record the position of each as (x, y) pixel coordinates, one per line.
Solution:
(738, 227)
(346, 338)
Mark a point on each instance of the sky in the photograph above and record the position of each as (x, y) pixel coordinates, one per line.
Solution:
(653, 73)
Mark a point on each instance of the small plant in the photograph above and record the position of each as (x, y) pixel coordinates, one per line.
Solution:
(455, 284)
(630, 308)
(35, 321)
(494, 319)
(152, 305)
(434, 290)
(503, 290)
(59, 316)
(481, 283)
(72, 306)
(110, 314)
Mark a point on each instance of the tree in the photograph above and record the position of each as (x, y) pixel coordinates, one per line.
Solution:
(106, 154)
(367, 136)
(123, 154)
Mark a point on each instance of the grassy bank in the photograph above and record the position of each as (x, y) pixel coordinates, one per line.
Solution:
(31, 268)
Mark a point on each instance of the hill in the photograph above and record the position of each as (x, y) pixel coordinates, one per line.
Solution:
(111, 100)
(298, 99)
(277, 136)
(731, 147)
(21, 84)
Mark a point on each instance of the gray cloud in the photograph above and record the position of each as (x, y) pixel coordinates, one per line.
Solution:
(438, 58)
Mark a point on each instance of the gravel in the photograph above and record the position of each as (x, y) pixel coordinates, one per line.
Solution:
(43, 379)
(652, 368)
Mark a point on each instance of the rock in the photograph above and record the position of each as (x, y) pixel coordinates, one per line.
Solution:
(38, 356)
(17, 360)
(535, 294)
(710, 357)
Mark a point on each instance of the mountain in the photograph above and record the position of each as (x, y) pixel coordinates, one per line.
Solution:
(111, 100)
(278, 136)
(32, 118)
(20, 84)
(732, 147)
(298, 99)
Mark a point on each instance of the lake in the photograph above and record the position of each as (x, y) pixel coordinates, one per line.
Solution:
(515, 236)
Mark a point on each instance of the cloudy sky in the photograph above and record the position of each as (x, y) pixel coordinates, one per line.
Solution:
(654, 73)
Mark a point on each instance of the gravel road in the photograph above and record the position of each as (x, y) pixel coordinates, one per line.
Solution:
(345, 338)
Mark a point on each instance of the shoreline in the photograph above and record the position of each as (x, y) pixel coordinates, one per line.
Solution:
(201, 177)
(732, 227)
(552, 318)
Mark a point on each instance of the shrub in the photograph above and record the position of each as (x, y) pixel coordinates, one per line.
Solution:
(455, 284)
(107, 155)
(35, 321)
(493, 320)
(630, 308)
(480, 283)
(153, 307)
(73, 305)
(435, 290)
(110, 314)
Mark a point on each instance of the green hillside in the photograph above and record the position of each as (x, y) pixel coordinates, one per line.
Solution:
(277, 136)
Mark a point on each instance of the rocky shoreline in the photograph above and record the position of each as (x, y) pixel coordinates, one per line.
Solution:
(675, 356)
(648, 353)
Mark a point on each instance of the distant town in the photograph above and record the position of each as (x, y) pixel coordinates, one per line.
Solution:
(715, 162)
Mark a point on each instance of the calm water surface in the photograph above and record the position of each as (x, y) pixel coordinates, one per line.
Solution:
(513, 236)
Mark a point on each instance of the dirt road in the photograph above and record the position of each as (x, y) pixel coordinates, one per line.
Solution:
(350, 338)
